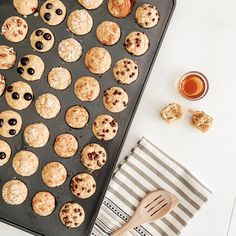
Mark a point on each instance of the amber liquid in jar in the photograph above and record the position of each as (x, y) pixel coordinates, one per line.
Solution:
(193, 86)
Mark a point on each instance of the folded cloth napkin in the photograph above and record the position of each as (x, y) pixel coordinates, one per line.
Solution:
(148, 168)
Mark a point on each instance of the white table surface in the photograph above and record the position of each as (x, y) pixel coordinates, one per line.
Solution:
(201, 36)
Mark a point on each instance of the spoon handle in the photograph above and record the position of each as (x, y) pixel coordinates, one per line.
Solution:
(126, 227)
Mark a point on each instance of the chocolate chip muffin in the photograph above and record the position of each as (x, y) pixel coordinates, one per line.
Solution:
(83, 185)
(72, 215)
(93, 156)
(105, 127)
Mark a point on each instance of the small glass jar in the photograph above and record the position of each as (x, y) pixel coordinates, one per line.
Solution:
(193, 85)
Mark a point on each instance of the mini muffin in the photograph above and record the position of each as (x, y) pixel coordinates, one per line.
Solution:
(53, 12)
(43, 203)
(70, 50)
(19, 95)
(54, 174)
(108, 33)
(147, 15)
(126, 71)
(42, 40)
(80, 22)
(47, 106)
(115, 99)
(172, 112)
(31, 67)
(5, 152)
(25, 163)
(59, 78)
(120, 8)
(83, 185)
(36, 135)
(98, 60)
(77, 117)
(93, 156)
(2, 84)
(26, 7)
(105, 127)
(136, 43)
(10, 123)
(201, 121)
(66, 145)
(15, 29)
(87, 88)
(14, 192)
(7, 57)
(72, 215)
(91, 4)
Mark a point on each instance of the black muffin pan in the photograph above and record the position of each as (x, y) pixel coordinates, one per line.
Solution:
(22, 216)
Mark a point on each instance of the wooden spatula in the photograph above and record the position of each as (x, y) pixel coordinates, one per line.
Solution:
(153, 206)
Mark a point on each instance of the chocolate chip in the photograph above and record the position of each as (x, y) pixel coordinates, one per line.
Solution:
(9, 89)
(76, 210)
(12, 122)
(80, 214)
(20, 70)
(1, 122)
(59, 12)
(28, 96)
(30, 71)
(47, 36)
(47, 16)
(89, 190)
(113, 123)
(2, 155)
(15, 96)
(12, 132)
(39, 32)
(39, 45)
(94, 185)
(24, 61)
(49, 6)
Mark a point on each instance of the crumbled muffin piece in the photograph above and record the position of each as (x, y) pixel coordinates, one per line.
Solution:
(172, 113)
(201, 121)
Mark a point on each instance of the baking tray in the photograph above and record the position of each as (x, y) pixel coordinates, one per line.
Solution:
(22, 216)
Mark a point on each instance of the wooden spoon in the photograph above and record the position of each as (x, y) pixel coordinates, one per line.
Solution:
(153, 206)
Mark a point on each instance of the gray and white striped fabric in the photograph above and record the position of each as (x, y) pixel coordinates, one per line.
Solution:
(148, 168)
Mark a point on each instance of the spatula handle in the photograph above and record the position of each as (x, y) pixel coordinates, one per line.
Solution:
(120, 232)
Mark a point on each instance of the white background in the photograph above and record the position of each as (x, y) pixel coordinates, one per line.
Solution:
(201, 36)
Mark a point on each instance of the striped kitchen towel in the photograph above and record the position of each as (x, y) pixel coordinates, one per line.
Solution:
(148, 168)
